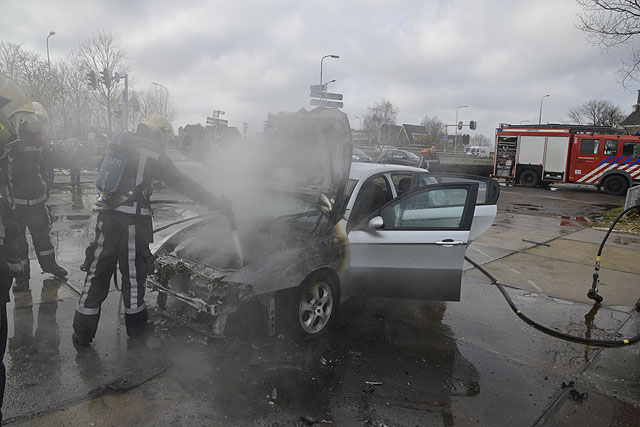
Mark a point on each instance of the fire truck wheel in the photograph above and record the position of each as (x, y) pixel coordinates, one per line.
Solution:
(615, 185)
(529, 178)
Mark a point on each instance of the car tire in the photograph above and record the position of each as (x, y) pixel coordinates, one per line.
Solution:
(294, 315)
(615, 185)
(316, 304)
(529, 178)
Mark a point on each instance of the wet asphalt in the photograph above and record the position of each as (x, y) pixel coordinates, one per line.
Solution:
(383, 362)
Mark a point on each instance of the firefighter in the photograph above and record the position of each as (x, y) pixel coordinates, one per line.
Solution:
(124, 228)
(12, 117)
(30, 167)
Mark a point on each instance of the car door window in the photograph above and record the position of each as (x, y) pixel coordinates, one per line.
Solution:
(437, 207)
(373, 194)
(401, 182)
(488, 189)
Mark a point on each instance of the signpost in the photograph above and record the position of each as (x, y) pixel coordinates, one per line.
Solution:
(325, 103)
(321, 98)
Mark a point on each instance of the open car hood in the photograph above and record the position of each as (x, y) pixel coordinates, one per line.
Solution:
(310, 153)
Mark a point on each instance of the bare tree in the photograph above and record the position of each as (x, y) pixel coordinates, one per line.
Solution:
(613, 23)
(157, 100)
(436, 129)
(11, 59)
(481, 141)
(77, 108)
(381, 113)
(100, 53)
(597, 112)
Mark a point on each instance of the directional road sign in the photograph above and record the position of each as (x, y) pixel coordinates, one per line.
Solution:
(322, 103)
(319, 88)
(329, 95)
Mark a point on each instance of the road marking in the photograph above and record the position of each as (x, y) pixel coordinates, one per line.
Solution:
(478, 250)
(534, 285)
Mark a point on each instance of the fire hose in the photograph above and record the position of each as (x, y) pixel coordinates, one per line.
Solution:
(592, 294)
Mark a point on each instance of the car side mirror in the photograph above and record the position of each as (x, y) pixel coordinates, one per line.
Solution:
(376, 223)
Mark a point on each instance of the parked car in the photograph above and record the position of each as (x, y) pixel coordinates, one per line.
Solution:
(399, 157)
(360, 156)
(363, 229)
(382, 148)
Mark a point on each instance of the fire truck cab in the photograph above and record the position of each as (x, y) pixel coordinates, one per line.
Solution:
(544, 154)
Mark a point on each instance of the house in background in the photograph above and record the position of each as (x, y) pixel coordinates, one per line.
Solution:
(632, 122)
(413, 136)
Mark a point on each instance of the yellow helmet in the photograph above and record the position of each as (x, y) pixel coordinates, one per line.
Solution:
(159, 123)
(40, 111)
(12, 97)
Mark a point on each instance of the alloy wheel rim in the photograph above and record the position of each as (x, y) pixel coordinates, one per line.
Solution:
(315, 307)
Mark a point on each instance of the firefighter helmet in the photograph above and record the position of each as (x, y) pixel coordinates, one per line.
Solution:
(12, 97)
(159, 123)
(40, 111)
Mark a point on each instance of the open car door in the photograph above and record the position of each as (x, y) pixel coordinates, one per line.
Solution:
(486, 202)
(413, 247)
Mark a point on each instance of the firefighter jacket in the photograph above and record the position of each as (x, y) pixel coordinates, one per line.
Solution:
(8, 229)
(29, 170)
(130, 166)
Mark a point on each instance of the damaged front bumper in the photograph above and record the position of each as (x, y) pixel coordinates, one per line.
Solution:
(204, 288)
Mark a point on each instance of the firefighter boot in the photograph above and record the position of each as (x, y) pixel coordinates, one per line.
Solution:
(49, 265)
(137, 324)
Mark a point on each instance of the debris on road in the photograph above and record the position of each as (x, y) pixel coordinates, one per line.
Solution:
(565, 385)
(577, 396)
(308, 419)
(537, 243)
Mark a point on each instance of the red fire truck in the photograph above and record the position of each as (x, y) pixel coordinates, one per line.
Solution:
(540, 155)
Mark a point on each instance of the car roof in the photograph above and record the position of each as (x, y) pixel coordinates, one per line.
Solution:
(363, 170)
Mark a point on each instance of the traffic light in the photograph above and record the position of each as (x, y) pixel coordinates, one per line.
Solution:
(473, 124)
(91, 80)
(465, 139)
(106, 78)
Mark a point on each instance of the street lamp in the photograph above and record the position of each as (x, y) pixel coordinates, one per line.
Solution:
(360, 122)
(455, 144)
(326, 56)
(166, 97)
(51, 33)
(540, 116)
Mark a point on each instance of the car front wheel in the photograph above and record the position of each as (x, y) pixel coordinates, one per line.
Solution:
(316, 303)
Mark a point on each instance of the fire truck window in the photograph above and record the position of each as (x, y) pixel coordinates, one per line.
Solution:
(610, 147)
(631, 149)
(589, 146)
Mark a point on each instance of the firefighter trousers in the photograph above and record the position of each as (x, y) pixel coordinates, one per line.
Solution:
(5, 284)
(36, 218)
(121, 239)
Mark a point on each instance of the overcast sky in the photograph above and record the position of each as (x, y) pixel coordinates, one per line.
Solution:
(249, 58)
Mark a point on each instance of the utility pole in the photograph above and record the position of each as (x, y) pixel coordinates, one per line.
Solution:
(125, 99)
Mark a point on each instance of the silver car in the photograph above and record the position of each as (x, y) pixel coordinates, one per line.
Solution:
(325, 232)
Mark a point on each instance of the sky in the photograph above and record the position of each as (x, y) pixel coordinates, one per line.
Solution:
(251, 58)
